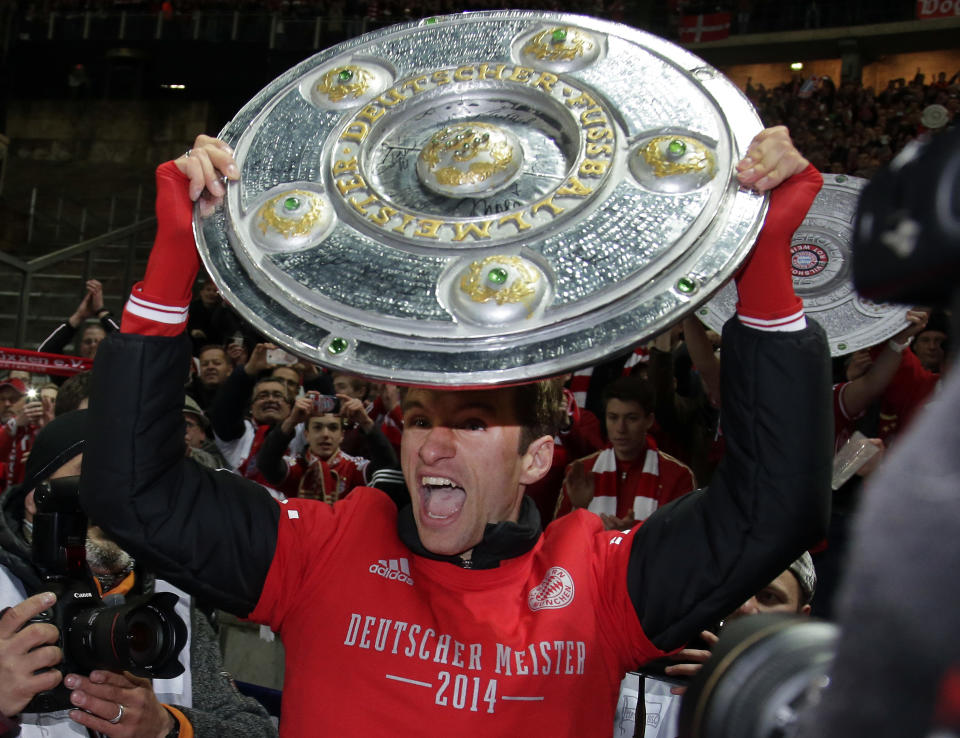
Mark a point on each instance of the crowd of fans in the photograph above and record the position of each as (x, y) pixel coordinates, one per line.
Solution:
(855, 130)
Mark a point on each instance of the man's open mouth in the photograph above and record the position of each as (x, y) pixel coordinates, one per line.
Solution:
(441, 497)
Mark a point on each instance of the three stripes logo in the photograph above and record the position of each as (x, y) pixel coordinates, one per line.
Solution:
(393, 569)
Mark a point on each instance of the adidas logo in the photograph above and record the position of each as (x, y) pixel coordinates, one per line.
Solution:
(394, 569)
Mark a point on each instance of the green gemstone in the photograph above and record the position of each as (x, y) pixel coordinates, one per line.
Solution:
(559, 35)
(704, 311)
(431, 20)
(345, 75)
(842, 346)
(497, 275)
(338, 345)
(291, 203)
(676, 147)
(841, 178)
(686, 285)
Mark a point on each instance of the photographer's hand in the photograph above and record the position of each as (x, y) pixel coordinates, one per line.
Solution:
(302, 409)
(237, 353)
(22, 653)
(34, 413)
(353, 411)
(102, 693)
(257, 362)
(695, 658)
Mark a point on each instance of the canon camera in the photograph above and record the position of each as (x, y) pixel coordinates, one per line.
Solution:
(143, 635)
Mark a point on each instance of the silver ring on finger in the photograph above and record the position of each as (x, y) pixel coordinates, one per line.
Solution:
(116, 718)
(186, 154)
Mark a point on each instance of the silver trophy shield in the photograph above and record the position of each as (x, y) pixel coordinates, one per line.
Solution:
(483, 198)
(822, 278)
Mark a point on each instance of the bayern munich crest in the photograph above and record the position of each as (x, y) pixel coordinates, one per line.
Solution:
(822, 278)
(555, 591)
(483, 198)
(808, 260)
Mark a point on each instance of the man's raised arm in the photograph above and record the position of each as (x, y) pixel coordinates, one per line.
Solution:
(210, 533)
(697, 559)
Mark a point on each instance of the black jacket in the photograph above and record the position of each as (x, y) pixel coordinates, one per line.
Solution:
(692, 562)
(57, 341)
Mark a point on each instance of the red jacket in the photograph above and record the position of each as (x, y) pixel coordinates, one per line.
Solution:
(15, 445)
(641, 486)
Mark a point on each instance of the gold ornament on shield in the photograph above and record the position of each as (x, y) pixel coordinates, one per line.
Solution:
(670, 155)
(295, 223)
(558, 44)
(487, 280)
(342, 82)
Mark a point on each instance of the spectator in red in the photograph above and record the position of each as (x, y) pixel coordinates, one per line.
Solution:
(628, 481)
(909, 391)
(323, 471)
(21, 417)
(12, 393)
(869, 374)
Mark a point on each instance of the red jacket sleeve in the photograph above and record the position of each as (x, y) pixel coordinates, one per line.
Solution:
(158, 305)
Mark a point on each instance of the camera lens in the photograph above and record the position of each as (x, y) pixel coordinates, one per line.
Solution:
(143, 636)
(758, 677)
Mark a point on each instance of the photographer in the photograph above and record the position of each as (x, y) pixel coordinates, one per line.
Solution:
(200, 702)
